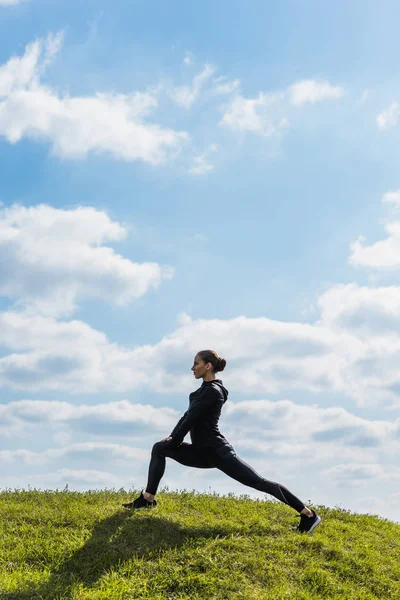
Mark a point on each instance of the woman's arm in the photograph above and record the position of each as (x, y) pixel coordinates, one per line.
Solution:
(169, 438)
(196, 411)
(178, 424)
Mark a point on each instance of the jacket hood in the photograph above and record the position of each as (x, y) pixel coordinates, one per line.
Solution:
(218, 382)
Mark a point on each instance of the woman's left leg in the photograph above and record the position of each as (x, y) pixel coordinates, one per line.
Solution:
(236, 468)
(185, 454)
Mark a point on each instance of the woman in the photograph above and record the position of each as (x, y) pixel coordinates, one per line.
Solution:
(209, 448)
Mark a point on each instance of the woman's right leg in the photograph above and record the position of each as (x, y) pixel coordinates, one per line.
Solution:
(238, 469)
(185, 454)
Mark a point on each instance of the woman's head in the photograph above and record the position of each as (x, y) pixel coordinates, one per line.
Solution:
(207, 363)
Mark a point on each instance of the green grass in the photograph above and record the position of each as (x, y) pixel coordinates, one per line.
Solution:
(67, 545)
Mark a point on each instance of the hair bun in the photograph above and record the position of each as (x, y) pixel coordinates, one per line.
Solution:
(221, 364)
(210, 356)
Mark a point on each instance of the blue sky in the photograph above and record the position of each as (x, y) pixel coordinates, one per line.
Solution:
(177, 177)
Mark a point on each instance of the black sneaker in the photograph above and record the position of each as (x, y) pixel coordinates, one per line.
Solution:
(307, 524)
(140, 502)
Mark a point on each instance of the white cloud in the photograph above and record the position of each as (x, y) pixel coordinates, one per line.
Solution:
(389, 117)
(311, 91)
(201, 166)
(76, 126)
(282, 429)
(254, 115)
(188, 58)
(74, 479)
(201, 162)
(123, 418)
(266, 114)
(99, 451)
(51, 257)
(69, 356)
(370, 311)
(353, 348)
(287, 427)
(392, 197)
(186, 95)
(197, 237)
(338, 354)
(62, 438)
(384, 254)
(360, 474)
(364, 96)
(386, 506)
(225, 86)
(11, 2)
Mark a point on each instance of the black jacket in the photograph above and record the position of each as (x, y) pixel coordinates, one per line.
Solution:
(201, 419)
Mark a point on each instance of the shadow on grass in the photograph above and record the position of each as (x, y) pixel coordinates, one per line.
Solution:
(113, 541)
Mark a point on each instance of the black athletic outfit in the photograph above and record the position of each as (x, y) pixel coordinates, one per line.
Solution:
(209, 448)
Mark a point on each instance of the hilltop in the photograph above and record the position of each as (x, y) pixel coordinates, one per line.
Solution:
(81, 546)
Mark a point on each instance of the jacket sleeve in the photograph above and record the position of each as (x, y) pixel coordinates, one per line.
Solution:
(178, 424)
(194, 414)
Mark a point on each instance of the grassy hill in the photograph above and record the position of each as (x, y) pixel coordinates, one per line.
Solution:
(67, 545)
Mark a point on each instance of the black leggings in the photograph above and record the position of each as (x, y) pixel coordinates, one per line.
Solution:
(231, 464)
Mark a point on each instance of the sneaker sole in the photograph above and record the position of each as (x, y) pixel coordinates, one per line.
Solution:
(138, 507)
(313, 526)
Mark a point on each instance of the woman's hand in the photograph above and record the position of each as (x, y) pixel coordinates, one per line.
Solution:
(167, 439)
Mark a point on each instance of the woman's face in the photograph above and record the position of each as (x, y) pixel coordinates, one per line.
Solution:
(199, 367)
